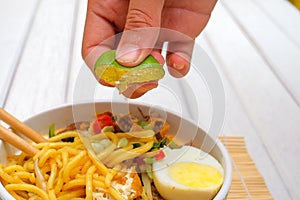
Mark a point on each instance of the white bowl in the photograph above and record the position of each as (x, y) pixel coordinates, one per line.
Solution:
(185, 130)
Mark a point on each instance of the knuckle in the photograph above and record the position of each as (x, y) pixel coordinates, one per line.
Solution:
(137, 18)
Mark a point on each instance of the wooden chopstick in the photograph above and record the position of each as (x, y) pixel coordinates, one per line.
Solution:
(21, 127)
(17, 141)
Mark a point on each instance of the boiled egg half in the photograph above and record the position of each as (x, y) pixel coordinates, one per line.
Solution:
(187, 173)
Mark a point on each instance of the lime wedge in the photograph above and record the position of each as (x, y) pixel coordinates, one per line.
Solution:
(109, 71)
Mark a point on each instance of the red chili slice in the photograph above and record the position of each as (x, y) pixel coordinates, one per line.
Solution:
(101, 122)
(160, 155)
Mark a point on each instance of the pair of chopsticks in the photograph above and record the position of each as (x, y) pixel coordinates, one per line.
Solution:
(22, 128)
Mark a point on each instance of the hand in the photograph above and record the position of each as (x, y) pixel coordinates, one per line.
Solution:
(141, 22)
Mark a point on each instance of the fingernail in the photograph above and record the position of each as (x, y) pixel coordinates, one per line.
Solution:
(178, 66)
(127, 53)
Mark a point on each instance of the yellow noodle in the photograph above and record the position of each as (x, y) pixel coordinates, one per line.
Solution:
(28, 166)
(45, 169)
(20, 159)
(111, 174)
(98, 137)
(56, 145)
(131, 154)
(28, 188)
(32, 196)
(52, 195)
(89, 183)
(70, 194)
(74, 183)
(138, 134)
(22, 194)
(86, 166)
(41, 152)
(65, 157)
(58, 161)
(64, 135)
(44, 157)
(52, 177)
(59, 182)
(72, 150)
(71, 165)
(98, 183)
(25, 175)
(8, 178)
(75, 171)
(100, 166)
(113, 137)
(99, 177)
(141, 140)
(107, 151)
(16, 196)
(14, 168)
(116, 153)
(115, 194)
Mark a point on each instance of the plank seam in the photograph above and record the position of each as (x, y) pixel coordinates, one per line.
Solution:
(71, 49)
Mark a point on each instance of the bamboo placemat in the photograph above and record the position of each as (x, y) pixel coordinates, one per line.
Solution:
(247, 182)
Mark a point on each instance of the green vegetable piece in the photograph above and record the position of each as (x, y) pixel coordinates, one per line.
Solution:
(52, 130)
(105, 142)
(148, 127)
(143, 123)
(122, 142)
(110, 72)
(149, 171)
(97, 147)
(173, 145)
(107, 129)
(149, 160)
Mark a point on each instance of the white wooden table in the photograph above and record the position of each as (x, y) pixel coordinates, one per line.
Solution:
(254, 45)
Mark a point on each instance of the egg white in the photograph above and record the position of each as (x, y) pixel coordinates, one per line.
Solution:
(172, 190)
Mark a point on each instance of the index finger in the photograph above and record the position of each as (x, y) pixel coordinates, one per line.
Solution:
(98, 35)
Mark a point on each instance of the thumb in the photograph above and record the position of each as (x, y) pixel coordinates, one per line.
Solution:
(141, 31)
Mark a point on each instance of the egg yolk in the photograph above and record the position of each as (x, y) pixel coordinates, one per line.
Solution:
(195, 175)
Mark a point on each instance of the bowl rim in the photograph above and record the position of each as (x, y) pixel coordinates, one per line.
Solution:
(222, 193)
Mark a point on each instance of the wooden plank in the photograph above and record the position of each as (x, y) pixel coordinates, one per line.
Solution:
(278, 49)
(13, 34)
(40, 81)
(237, 123)
(284, 15)
(267, 104)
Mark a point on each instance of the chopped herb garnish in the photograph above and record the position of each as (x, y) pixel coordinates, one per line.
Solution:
(156, 145)
(160, 144)
(163, 142)
(135, 145)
